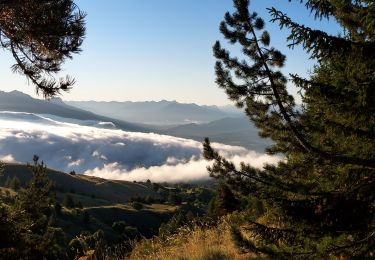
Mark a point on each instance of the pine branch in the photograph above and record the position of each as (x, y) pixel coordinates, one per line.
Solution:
(300, 138)
(317, 42)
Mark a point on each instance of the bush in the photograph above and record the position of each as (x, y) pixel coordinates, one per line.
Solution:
(174, 199)
(58, 208)
(75, 248)
(79, 205)
(137, 205)
(86, 217)
(15, 183)
(119, 226)
(131, 232)
(68, 201)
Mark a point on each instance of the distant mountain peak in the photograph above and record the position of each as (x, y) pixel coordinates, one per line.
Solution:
(17, 93)
(17, 101)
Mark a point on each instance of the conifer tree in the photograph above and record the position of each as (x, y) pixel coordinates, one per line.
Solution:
(319, 201)
(41, 35)
(27, 225)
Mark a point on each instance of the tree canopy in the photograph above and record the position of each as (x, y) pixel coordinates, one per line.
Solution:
(319, 201)
(41, 35)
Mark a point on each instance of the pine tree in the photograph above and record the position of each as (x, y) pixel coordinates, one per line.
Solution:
(319, 202)
(27, 225)
(41, 35)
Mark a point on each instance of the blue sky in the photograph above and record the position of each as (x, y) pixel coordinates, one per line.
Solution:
(159, 49)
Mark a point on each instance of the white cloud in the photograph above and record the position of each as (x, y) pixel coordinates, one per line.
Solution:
(110, 153)
(7, 158)
(75, 163)
(190, 171)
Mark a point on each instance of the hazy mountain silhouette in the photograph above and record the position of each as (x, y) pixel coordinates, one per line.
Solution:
(232, 131)
(156, 112)
(227, 130)
(19, 102)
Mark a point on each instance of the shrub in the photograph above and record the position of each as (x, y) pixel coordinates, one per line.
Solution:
(137, 205)
(68, 201)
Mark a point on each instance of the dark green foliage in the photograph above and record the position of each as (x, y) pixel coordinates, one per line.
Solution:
(8, 238)
(7, 182)
(174, 199)
(68, 201)
(223, 203)
(137, 205)
(155, 186)
(58, 208)
(205, 195)
(171, 227)
(149, 199)
(119, 226)
(75, 248)
(15, 183)
(27, 225)
(41, 34)
(130, 232)
(186, 217)
(319, 202)
(86, 217)
(146, 200)
(123, 229)
(85, 243)
(79, 205)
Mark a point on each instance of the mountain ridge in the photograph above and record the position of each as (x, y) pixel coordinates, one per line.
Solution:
(156, 112)
(232, 128)
(17, 101)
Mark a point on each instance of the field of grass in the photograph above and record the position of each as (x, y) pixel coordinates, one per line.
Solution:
(112, 191)
(197, 243)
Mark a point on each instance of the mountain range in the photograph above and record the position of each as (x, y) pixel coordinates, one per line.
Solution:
(221, 124)
(237, 131)
(16, 101)
(157, 112)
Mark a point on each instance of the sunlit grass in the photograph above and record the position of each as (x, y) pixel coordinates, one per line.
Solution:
(197, 243)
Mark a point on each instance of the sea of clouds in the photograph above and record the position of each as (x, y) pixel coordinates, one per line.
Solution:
(99, 149)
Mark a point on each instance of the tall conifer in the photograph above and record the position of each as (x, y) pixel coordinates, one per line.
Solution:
(319, 201)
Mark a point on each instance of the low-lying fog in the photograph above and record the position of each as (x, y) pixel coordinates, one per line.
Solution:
(99, 149)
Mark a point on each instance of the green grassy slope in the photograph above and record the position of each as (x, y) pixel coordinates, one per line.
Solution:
(108, 190)
(105, 201)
